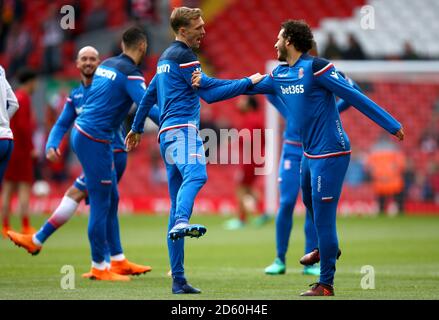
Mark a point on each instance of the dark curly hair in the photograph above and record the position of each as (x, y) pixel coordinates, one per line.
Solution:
(299, 34)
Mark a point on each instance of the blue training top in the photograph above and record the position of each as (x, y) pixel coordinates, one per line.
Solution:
(72, 108)
(308, 89)
(291, 132)
(171, 89)
(117, 83)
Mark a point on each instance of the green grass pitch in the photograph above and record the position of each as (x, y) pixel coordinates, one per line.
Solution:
(404, 252)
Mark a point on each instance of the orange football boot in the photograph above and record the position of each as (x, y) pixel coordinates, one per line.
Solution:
(24, 241)
(87, 275)
(125, 267)
(105, 275)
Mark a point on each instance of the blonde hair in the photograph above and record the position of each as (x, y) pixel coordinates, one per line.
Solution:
(182, 16)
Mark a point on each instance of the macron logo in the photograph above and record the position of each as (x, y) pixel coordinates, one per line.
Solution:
(106, 73)
(164, 68)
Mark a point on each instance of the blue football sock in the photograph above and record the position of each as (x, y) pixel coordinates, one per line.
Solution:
(45, 232)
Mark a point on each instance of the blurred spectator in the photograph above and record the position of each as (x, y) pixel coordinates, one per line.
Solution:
(431, 187)
(158, 171)
(250, 147)
(409, 52)
(52, 41)
(207, 121)
(11, 11)
(116, 48)
(354, 50)
(20, 172)
(386, 165)
(429, 140)
(332, 50)
(409, 178)
(19, 46)
(98, 16)
(142, 9)
(39, 141)
(417, 189)
(355, 174)
(56, 170)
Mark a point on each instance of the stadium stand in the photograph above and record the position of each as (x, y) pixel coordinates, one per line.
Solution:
(239, 42)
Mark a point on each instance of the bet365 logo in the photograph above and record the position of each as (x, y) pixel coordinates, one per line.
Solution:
(297, 89)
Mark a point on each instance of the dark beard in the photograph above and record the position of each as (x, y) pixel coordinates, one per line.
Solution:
(87, 76)
(282, 55)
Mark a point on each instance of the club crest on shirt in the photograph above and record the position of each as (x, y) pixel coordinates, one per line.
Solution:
(334, 75)
(301, 73)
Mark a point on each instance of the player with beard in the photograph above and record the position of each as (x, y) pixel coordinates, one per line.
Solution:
(307, 85)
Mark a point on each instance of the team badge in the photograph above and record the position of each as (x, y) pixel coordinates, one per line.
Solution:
(301, 73)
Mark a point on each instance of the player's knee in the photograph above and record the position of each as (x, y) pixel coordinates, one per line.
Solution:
(93, 229)
(325, 228)
(287, 203)
(200, 178)
(96, 226)
(75, 194)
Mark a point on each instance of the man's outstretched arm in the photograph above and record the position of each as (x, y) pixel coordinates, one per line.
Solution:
(62, 125)
(341, 88)
(213, 90)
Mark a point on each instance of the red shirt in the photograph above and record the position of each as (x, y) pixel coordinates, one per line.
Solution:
(20, 166)
(23, 124)
(255, 142)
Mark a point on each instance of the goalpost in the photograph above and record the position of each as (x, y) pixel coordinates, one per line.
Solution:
(416, 72)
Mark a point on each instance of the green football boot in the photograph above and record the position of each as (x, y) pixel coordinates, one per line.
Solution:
(278, 267)
(234, 224)
(261, 221)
